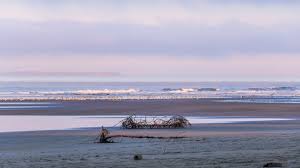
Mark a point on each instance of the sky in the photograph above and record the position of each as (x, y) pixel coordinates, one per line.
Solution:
(157, 40)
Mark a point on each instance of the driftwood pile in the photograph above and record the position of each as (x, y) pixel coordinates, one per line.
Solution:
(134, 122)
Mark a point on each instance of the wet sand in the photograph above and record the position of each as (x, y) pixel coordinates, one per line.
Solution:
(187, 107)
(248, 145)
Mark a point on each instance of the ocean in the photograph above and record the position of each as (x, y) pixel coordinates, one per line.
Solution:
(252, 92)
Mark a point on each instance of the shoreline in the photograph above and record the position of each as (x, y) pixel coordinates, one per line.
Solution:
(186, 107)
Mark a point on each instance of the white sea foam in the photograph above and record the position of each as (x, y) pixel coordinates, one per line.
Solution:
(82, 92)
(188, 90)
(106, 91)
(183, 90)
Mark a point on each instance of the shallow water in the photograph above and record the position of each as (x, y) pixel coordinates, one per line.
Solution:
(21, 107)
(13, 123)
(26, 105)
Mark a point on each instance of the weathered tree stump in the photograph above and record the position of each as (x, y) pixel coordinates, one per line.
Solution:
(104, 136)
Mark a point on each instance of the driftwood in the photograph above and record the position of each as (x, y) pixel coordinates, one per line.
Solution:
(103, 136)
(108, 138)
(134, 122)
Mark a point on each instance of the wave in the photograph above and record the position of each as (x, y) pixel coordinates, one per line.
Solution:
(188, 90)
(208, 89)
(259, 89)
(106, 91)
(180, 90)
(78, 92)
(281, 88)
(288, 88)
(152, 93)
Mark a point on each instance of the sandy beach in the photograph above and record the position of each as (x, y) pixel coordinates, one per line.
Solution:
(201, 149)
(249, 144)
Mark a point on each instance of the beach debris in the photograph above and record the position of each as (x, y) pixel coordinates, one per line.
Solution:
(273, 164)
(137, 122)
(108, 138)
(103, 136)
(138, 157)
